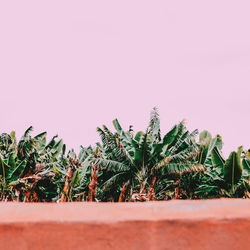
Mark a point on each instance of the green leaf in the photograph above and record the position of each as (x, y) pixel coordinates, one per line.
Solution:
(83, 154)
(142, 153)
(219, 142)
(205, 135)
(63, 149)
(57, 169)
(246, 166)
(111, 165)
(205, 190)
(2, 168)
(153, 128)
(217, 158)
(18, 170)
(51, 142)
(40, 136)
(170, 136)
(28, 131)
(41, 141)
(204, 155)
(75, 179)
(57, 148)
(117, 126)
(139, 135)
(233, 168)
(12, 158)
(114, 180)
(179, 168)
(13, 135)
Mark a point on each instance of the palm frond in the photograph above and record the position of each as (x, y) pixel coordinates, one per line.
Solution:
(154, 125)
(142, 151)
(115, 147)
(51, 142)
(114, 180)
(28, 131)
(181, 129)
(103, 137)
(184, 140)
(179, 168)
(110, 165)
(185, 155)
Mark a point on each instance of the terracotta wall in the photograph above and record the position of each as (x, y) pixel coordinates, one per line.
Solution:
(210, 224)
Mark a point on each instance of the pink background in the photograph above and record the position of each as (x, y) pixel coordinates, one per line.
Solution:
(70, 66)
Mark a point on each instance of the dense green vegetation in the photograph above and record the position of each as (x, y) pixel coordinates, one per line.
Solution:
(125, 166)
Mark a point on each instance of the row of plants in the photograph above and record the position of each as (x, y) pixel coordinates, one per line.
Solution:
(124, 166)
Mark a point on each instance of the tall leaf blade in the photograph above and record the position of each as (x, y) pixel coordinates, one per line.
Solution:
(217, 158)
(170, 136)
(233, 169)
(246, 166)
(117, 126)
(205, 135)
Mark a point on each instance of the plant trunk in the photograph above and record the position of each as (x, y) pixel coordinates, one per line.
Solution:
(67, 185)
(93, 184)
(142, 189)
(130, 194)
(123, 192)
(151, 192)
(177, 191)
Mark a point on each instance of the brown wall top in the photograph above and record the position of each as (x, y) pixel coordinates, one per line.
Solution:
(114, 212)
(191, 225)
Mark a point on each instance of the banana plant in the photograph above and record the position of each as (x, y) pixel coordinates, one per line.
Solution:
(26, 165)
(228, 178)
(137, 161)
(125, 166)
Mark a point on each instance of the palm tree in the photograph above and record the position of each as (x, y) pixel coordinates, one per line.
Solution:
(222, 178)
(126, 166)
(27, 166)
(143, 160)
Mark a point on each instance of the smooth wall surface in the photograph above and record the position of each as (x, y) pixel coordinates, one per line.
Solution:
(209, 224)
(70, 66)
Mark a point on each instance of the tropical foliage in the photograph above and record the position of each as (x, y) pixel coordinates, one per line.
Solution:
(124, 166)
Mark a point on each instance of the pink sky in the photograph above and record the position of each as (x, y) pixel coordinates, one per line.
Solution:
(70, 66)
